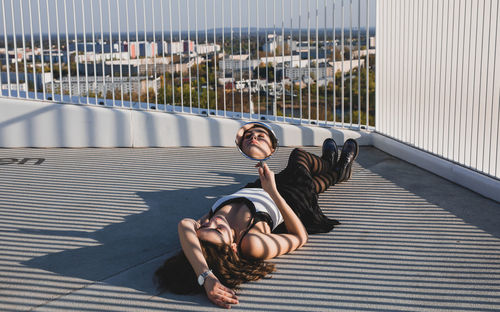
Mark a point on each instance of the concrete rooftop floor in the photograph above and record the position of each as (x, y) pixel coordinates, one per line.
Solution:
(85, 230)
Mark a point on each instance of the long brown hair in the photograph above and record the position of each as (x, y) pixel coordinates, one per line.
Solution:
(177, 275)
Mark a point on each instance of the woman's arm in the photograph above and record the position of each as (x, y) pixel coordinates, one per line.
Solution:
(216, 292)
(267, 246)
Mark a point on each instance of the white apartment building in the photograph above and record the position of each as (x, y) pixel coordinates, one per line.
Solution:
(206, 48)
(236, 65)
(275, 60)
(102, 85)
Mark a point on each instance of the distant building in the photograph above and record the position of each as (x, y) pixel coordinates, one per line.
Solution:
(37, 80)
(362, 53)
(103, 85)
(229, 64)
(142, 49)
(173, 47)
(275, 60)
(207, 48)
(372, 42)
(188, 46)
(100, 47)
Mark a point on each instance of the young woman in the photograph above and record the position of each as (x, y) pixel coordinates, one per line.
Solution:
(265, 219)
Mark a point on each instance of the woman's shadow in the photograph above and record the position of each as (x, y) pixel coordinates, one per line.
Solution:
(147, 237)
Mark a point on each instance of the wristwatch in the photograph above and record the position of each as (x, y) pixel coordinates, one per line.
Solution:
(203, 276)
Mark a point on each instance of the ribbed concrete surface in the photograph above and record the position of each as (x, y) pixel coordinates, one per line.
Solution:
(85, 229)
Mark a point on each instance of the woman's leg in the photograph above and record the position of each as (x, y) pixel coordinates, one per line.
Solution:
(320, 170)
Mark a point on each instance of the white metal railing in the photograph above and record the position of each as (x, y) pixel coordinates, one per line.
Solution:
(295, 61)
(438, 78)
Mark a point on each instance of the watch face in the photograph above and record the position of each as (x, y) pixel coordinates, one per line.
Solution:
(201, 279)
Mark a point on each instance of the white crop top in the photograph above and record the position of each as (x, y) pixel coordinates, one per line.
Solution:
(261, 200)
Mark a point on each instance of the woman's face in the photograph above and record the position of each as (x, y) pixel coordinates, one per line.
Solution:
(216, 230)
(257, 143)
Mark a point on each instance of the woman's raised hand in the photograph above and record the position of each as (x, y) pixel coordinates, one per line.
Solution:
(266, 178)
(218, 293)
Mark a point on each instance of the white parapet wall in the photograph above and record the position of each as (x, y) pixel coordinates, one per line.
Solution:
(27, 123)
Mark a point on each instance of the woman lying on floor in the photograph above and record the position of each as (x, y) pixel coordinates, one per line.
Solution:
(265, 219)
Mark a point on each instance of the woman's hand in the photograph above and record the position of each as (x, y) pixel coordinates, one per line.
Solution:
(218, 293)
(267, 178)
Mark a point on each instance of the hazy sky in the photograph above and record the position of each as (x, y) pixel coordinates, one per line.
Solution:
(157, 14)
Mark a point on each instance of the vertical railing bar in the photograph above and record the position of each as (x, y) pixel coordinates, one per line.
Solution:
(334, 38)
(474, 92)
(401, 77)
(359, 63)
(154, 52)
(189, 57)
(418, 107)
(93, 49)
(232, 58)
(412, 75)
(224, 56)
(267, 60)
(7, 62)
(250, 103)
(172, 71)
(35, 79)
(275, 64)
(391, 126)
(41, 53)
(207, 68)
(111, 55)
(164, 62)
(14, 34)
(50, 50)
(103, 59)
(258, 58)
(343, 60)
(1, 65)
(180, 53)
(317, 62)
(283, 105)
(197, 56)
(494, 173)
(446, 108)
(437, 111)
(325, 79)
(291, 64)
(131, 100)
(24, 51)
(215, 61)
(137, 57)
(476, 166)
(308, 63)
(350, 64)
(77, 61)
(241, 61)
(452, 143)
(85, 52)
(67, 52)
(120, 51)
(300, 61)
(485, 108)
(428, 102)
(146, 57)
(59, 51)
(367, 63)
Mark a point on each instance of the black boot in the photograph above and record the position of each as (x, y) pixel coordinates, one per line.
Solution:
(330, 152)
(349, 153)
